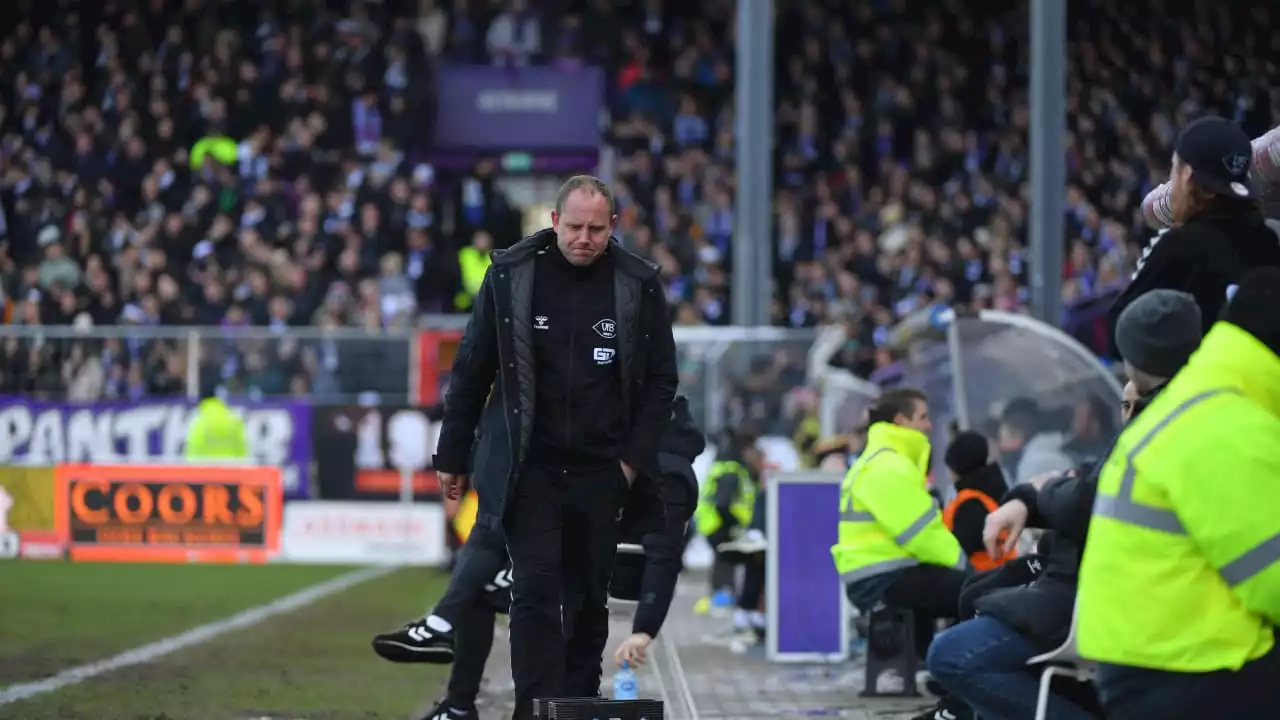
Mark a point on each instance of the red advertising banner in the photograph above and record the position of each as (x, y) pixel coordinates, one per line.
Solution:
(436, 351)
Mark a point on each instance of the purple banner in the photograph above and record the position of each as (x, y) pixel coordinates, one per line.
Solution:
(37, 432)
(806, 596)
(530, 108)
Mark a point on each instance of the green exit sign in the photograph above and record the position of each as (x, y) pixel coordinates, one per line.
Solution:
(517, 162)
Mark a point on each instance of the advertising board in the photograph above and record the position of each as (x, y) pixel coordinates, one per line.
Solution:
(533, 109)
(41, 433)
(27, 527)
(321, 531)
(153, 513)
(364, 453)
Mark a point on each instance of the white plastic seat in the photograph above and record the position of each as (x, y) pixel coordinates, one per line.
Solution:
(1066, 661)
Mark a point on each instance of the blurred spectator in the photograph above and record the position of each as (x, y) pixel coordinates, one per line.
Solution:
(190, 165)
(217, 164)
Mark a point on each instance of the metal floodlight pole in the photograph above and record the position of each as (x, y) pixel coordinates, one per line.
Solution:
(1048, 164)
(752, 276)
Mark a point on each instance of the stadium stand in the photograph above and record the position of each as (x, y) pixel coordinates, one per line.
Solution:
(124, 203)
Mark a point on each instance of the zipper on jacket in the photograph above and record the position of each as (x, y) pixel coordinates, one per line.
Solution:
(568, 386)
(501, 390)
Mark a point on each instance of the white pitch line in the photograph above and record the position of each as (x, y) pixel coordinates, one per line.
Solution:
(677, 669)
(194, 636)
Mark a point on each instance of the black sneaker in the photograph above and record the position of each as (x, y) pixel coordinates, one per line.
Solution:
(415, 643)
(446, 711)
(946, 709)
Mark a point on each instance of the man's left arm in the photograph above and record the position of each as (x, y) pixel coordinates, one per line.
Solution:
(1238, 534)
(661, 573)
(658, 386)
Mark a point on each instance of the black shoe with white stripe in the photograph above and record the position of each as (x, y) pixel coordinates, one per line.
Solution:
(416, 642)
(948, 708)
(444, 710)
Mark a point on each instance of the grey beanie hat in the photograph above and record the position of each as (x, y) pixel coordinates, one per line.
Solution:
(1158, 332)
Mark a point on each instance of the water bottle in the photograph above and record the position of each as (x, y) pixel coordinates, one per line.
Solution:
(624, 683)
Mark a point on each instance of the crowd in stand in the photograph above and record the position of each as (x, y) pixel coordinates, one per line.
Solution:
(236, 163)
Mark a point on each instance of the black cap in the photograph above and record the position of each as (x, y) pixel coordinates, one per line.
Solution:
(967, 452)
(1219, 154)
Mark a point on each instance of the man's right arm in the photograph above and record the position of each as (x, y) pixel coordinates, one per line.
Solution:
(470, 380)
(905, 509)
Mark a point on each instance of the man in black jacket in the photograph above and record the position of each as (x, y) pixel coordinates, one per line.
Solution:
(1219, 232)
(566, 370)
(460, 627)
(983, 661)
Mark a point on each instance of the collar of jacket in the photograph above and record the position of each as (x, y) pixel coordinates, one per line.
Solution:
(623, 260)
(909, 443)
(1231, 357)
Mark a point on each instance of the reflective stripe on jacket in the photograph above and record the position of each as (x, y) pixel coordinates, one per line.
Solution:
(706, 518)
(888, 519)
(1181, 571)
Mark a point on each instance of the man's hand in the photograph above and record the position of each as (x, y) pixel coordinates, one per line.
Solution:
(632, 650)
(627, 472)
(1006, 524)
(451, 485)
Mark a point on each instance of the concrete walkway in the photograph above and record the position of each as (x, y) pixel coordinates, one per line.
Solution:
(699, 680)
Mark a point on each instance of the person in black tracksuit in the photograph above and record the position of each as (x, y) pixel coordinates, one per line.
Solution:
(655, 515)
(567, 371)
(1219, 232)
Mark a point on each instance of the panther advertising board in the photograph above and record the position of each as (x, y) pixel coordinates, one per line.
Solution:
(27, 527)
(321, 531)
(181, 513)
(40, 433)
(366, 453)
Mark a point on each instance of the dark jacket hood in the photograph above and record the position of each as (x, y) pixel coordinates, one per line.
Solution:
(987, 479)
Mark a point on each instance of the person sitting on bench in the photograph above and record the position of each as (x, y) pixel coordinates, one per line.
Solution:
(893, 546)
(983, 661)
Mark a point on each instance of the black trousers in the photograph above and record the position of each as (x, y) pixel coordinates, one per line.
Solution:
(478, 564)
(752, 592)
(562, 533)
(1136, 694)
(723, 573)
(471, 603)
(931, 593)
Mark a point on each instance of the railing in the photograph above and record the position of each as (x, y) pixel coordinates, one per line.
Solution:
(732, 375)
(343, 365)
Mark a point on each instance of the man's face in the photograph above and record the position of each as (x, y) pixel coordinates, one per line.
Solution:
(1128, 398)
(583, 226)
(1008, 439)
(918, 420)
(1179, 190)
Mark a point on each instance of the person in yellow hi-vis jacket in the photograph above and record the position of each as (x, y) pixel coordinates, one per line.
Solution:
(893, 546)
(216, 433)
(1179, 594)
